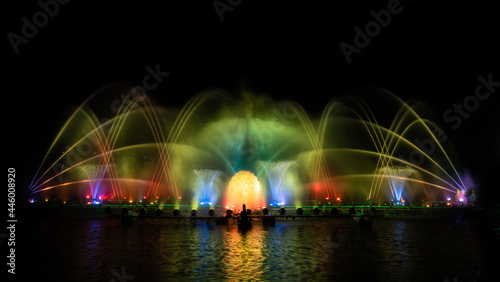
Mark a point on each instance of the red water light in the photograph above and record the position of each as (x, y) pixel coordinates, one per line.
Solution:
(317, 186)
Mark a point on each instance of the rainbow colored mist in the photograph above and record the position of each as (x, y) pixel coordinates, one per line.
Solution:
(217, 151)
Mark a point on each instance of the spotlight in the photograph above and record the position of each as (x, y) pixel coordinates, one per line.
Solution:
(282, 211)
(300, 211)
(159, 212)
(176, 212)
(194, 212)
(142, 212)
(265, 211)
(316, 211)
(211, 212)
(276, 203)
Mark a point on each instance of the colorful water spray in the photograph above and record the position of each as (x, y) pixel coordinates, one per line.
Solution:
(217, 150)
(397, 176)
(283, 182)
(206, 187)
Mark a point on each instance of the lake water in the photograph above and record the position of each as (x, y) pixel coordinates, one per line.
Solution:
(328, 249)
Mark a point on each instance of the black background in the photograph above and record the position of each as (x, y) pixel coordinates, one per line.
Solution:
(430, 51)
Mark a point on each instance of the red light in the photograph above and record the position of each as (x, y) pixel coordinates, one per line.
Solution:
(317, 186)
(328, 198)
(144, 197)
(338, 199)
(87, 196)
(157, 197)
(180, 198)
(100, 198)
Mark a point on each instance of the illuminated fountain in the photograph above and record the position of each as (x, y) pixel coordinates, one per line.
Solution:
(244, 187)
(219, 151)
(397, 178)
(94, 174)
(206, 187)
(283, 182)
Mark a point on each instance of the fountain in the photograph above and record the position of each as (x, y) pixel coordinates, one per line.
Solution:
(397, 176)
(219, 151)
(206, 187)
(244, 187)
(283, 182)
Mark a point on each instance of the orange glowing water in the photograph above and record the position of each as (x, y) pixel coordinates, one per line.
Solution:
(244, 188)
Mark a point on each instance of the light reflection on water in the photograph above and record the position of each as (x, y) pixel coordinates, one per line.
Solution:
(391, 250)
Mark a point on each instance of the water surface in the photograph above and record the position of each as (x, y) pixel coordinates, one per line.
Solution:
(150, 250)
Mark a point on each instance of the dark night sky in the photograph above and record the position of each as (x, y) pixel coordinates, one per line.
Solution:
(429, 51)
